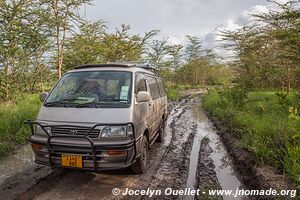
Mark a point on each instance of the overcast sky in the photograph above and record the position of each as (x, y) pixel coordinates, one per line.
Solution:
(176, 18)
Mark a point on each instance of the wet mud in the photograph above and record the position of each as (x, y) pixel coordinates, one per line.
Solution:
(191, 156)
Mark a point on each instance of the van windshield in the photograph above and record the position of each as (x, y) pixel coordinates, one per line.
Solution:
(92, 89)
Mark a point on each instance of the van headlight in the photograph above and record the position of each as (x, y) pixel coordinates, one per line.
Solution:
(117, 132)
(39, 131)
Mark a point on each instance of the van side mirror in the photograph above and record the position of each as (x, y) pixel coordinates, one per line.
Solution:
(43, 96)
(143, 96)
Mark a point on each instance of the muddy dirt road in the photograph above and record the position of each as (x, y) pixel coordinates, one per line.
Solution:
(192, 156)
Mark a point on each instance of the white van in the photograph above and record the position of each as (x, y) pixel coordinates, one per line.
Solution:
(100, 117)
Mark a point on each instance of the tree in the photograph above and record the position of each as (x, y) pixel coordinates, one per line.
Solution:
(175, 52)
(268, 53)
(21, 35)
(158, 49)
(85, 46)
(123, 46)
(193, 48)
(283, 27)
(62, 15)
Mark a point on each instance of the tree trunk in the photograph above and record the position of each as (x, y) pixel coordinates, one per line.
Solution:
(14, 74)
(42, 83)
(6, 80)
(58, 53)
(289, 80)
(59, 63)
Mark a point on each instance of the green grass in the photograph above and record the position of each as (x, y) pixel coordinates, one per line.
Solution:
(264, 123)
(173, 91)
(177, 91)
(13, 132)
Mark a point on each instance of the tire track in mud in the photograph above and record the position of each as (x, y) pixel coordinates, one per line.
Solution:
(182, 161)
(49, 186)
(172, 166)
(160, 171)
(206, 175)
(213, 169)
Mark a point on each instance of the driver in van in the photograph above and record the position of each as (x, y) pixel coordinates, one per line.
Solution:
(92, 87)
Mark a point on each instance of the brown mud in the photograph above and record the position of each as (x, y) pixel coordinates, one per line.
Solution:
(191, 156)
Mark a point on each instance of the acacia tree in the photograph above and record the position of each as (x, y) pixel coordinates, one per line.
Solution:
(63, 14)
(39, 59)
(283, 28)
(85, 46)
(92, 44)
(123, 46)
(193, 48)
(175, 52)
(158, 49)
(20, 36)
(268, 54)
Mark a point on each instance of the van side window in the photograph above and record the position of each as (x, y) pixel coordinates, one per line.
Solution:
(140, 83)
(153, 87)
(161, 87)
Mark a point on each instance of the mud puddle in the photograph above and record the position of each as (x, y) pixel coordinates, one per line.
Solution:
(216, 160)
(191, 180)
(193, 164)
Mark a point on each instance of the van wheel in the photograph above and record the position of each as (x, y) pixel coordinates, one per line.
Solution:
(141, 164)
(161, 131)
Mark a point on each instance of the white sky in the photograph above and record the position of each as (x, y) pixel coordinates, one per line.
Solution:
(176, 18)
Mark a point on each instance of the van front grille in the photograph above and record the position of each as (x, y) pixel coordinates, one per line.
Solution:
(75, 131)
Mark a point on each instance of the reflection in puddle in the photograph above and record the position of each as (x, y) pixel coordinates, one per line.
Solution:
(191, 180)
(223, 164)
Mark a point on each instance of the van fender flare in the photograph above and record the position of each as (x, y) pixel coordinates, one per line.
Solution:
(139, 140)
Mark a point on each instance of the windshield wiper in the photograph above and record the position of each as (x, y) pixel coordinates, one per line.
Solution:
(60, 102)
(82, 105)
(99, 103)
(112, 100)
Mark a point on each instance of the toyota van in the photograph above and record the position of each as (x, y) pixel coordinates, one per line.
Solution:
(100, 117)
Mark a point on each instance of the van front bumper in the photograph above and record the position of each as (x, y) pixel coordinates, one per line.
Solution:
(96, 155)
(107, 157)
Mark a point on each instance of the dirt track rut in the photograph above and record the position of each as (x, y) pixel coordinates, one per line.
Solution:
(192, 156)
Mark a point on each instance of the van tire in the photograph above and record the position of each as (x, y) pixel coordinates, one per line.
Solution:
(141, 164)
(161, 131)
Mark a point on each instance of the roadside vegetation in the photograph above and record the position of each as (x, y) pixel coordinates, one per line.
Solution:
(175, 92)
(262, 110)
(266, 124)
(12, 115)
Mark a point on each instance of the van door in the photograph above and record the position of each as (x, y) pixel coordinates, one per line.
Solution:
(163, 98)
(142, 111)
(154, 105)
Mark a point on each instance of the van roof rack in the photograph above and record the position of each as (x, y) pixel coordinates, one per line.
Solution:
(145, 66)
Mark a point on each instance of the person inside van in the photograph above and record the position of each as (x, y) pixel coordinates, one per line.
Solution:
(92, 87)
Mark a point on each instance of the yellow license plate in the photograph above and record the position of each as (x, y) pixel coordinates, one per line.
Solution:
(68, 160)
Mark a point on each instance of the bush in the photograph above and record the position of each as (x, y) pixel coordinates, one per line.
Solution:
(263, 124)
(13, 132)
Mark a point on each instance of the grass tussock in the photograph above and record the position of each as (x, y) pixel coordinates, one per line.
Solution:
(266, 122)
(13, 132)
